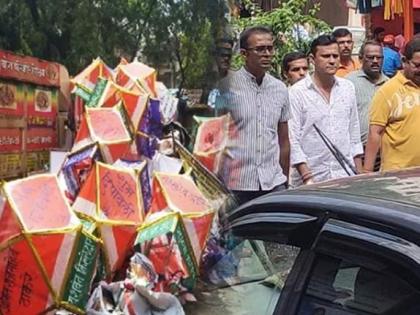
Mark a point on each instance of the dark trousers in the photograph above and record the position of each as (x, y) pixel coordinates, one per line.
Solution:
(244, 196)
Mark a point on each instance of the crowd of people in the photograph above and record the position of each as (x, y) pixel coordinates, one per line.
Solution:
(332, 116)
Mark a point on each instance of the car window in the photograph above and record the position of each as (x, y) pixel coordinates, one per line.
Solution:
(337, 287)
(245, 280)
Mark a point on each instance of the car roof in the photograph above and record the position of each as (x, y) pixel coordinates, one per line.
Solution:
(402, 186)
(386, 201)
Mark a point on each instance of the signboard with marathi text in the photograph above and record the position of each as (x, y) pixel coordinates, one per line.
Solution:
(10, 140)
(29, 69)
(29, 98)
(41, 139)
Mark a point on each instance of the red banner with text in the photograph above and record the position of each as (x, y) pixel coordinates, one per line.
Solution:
(29, 69)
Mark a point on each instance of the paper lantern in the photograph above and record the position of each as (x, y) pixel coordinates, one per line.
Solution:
(137, 73)
(178, 193)
(111, 198)
(211, 141)
(165, 242)
(41, 241)
(108, 128)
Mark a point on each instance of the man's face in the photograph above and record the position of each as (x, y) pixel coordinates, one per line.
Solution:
(412, 68)
(326, 59)
(345, 45)
(372, 60)
(224, 56)
(297, 70)
(259, 52)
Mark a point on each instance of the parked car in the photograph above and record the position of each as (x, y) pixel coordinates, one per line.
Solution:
(348, 246)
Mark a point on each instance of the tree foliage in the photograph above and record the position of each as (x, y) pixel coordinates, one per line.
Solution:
(177, 32)
(285, 22)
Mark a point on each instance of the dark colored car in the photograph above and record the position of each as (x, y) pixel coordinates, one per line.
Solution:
(349, 246)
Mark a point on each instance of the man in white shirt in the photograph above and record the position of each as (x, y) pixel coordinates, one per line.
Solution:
(329, 103)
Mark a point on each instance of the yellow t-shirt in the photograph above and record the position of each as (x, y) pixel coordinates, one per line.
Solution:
(396, 106)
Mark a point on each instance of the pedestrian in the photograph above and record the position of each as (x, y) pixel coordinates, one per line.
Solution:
(395, 116)
(295, 66)
(367, 80)
(325, 102)
(259, 106)
(224, 48)
(392, 59)
(345, 44)
(379, 34)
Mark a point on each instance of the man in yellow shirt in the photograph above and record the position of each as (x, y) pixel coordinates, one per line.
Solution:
(345, 45)
(395, 117)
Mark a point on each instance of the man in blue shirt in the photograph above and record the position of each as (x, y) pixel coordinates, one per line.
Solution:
(392, 59)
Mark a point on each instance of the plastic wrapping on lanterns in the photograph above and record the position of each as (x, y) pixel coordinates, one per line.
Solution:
(76, 168)
(150, 130)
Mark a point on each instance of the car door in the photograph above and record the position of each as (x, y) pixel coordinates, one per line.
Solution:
(355, 270)
(244, 274)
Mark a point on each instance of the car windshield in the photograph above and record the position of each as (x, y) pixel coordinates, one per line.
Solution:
(247, 278)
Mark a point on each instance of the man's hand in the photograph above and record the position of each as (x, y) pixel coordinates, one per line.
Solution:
(309, 181)
(372, 147)
(358, 163)
(305, 173)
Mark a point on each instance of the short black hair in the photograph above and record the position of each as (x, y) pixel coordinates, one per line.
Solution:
(224, 40)
(292, 56)
(341, 32)
(367, 43)
(412, 47)
(322, 40)
(243, 40)
(378, 30)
